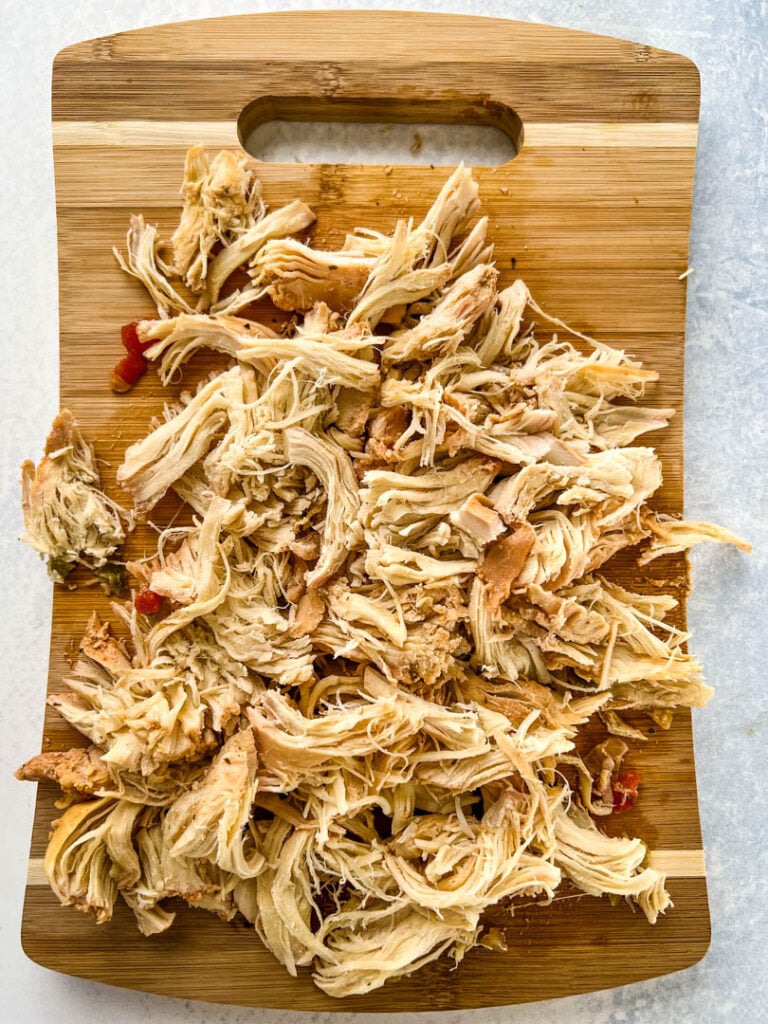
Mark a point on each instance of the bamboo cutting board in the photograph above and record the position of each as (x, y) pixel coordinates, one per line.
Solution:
(593, 213)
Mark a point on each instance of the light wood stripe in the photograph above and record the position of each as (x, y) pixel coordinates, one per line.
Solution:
(658, 134)
(674, 864)
(166, 134)
(162, 134)
(678, 863)
(35, 873)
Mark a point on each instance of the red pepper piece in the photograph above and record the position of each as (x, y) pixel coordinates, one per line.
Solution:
(130, 338)
(127, 372)
(148, 602)
(625, 790)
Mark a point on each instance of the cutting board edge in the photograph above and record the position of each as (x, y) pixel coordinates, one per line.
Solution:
(696, 950)
(61, 59)
(84, 49)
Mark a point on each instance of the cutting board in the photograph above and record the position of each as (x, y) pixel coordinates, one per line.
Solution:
(593, 213)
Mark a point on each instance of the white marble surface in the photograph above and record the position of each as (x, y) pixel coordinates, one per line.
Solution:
(726, 424)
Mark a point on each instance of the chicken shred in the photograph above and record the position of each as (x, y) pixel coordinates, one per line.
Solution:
(356, 719)
(67, 516)
(222, 200)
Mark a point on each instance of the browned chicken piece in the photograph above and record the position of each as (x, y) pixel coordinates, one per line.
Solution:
(385, 428)
(103, 648)
(504, 561)
(80, 770)
(479, 519)
(602, 762)
(354, 409)
(296, 276)
(309, 613)
(307, 547)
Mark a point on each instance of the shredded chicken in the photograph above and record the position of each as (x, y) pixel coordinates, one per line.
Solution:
(222, 200)
(75, 771)
(349, 705)
(67, 516)
(291, 218)
(669, 536)
(142, 261)
(296, 277)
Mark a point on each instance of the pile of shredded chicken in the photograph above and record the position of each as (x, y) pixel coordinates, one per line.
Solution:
(354, 719)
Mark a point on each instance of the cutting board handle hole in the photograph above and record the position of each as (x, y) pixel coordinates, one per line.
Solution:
(324, 130)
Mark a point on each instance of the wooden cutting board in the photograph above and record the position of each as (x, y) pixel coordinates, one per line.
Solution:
(593, 213)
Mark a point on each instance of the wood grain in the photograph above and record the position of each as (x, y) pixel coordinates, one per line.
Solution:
(593, 212)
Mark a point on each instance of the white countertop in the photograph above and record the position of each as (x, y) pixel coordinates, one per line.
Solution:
(726, 436)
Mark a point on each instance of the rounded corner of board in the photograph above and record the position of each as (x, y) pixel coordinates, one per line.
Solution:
(691, 66)
(701, 950)
(29, 947)
(73, 52)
